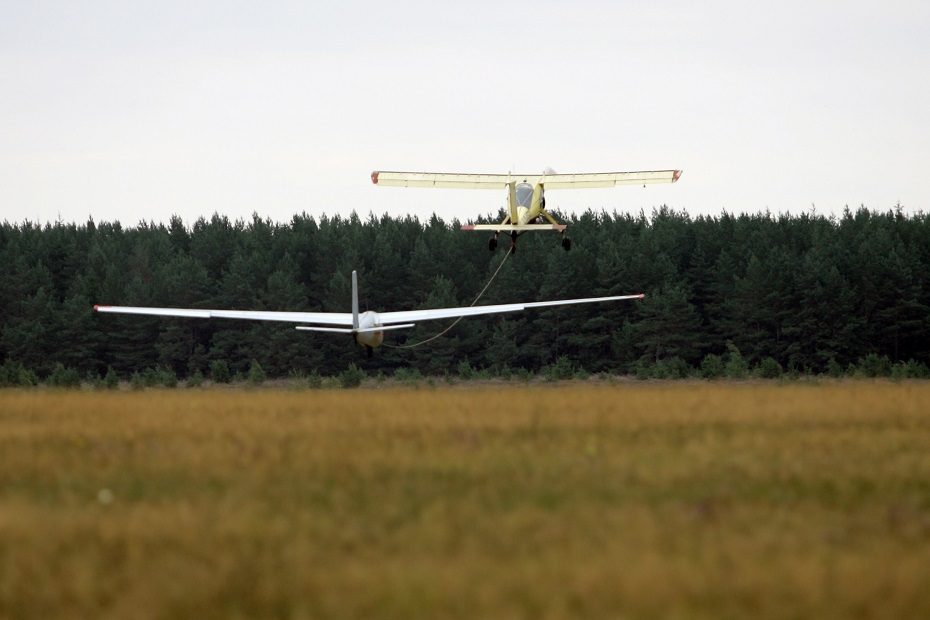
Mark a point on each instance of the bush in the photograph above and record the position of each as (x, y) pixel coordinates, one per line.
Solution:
(14, 374)
(407, 375)
(150, 377)
(64, 377)
(314, 380)
(672, 368)
(643, 370)
(736, 367)
(465, 370)
(899, 371)
(136, 381)
(165, 377)
(917, 370)
(195, 380)
(910, 369)
(351, 377)
(219, 371)
(256, 373)
(581, 374)
(835, 369)
(111, 379)
(559, 370)
(769, 368)
(874, 365)
(712, 366)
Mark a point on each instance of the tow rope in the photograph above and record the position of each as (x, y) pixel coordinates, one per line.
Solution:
(456, 321)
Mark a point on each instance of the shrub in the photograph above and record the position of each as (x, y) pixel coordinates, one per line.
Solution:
(111, 379)
(874, 365)
(899, 371)
(712, 366)
(643, 370)
(136, 381)
(256, 373)
(165, 377)
(769, 368)
(672, 368)
(736, 367)
(917, 370)
(219, 371)
(64, 377)
(835, 369)
(150, 377)
(14, 374)
(407, 375)
(465, 370)
(559, 370)
(195, 380)
(351, 377)
(314, 380)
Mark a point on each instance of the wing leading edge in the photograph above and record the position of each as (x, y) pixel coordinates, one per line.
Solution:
(323, 318)
(496, 181)
(448, 313)
(344, 319)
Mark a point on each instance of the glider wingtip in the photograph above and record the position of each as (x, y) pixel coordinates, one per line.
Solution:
(96, 308)
(374, 177)
(676, 175)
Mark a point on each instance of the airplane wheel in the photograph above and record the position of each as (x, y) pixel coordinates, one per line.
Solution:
(566, 244)
(492, 243)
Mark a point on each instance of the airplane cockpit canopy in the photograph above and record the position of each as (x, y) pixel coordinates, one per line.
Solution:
(524, 194)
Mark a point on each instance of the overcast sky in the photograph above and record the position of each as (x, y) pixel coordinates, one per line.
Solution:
(140, 110)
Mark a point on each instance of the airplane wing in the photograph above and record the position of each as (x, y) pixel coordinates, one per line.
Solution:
(498, 181)
(323, 318)
(514, 227)
(447, 313)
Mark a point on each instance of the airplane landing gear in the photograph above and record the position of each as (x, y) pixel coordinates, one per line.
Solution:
(492, 243)
(566, 244)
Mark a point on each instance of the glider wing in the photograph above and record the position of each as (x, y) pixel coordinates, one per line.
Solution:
(447, 313)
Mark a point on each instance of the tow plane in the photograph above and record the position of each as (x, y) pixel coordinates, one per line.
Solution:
(367, 328)
(526, 194)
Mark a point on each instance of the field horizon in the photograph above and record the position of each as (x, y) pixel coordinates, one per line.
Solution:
(638, 499)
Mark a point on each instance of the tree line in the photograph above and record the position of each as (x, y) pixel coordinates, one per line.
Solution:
(801, 293)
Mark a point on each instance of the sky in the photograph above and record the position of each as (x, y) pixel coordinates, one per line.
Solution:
(136, 111)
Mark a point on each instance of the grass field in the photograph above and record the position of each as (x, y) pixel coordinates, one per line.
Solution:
(634, 501)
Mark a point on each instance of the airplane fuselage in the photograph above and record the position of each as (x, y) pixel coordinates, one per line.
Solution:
(526, 201)
(366, 321)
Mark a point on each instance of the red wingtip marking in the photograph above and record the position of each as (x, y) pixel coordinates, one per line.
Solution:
(96, 307)
(676, 175)
(468, 227)
(374, 177)
(641, 296)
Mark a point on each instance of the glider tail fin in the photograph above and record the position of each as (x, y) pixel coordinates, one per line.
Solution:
(354, 300)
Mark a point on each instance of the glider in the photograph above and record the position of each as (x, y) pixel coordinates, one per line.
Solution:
(366, 327)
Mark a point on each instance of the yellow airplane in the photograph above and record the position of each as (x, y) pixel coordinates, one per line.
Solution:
(526, 193)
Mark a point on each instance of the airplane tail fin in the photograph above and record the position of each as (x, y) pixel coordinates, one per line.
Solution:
(354, 301)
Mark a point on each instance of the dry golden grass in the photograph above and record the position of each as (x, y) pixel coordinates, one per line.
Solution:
(653, 501)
